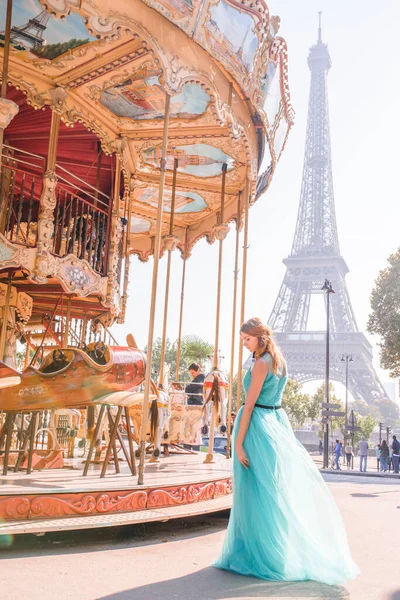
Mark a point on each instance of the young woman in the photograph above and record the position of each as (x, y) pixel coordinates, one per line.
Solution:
(384, 456)
(284, 524)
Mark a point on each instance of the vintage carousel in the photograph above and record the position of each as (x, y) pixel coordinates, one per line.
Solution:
(135, 129)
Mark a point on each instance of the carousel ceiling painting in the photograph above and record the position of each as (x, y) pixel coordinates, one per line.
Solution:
(35, 30)
(179, 8)
(144, 99)
(232, 32)
(185, 202)
(200, 160)
(139, 225)
(107, 70)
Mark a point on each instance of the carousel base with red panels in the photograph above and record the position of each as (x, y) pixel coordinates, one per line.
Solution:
(178, 486)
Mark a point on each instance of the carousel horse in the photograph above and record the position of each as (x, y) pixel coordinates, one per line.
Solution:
(215, 395)
(160, 411)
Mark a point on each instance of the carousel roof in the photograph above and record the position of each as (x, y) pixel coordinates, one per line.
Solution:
(107, 67)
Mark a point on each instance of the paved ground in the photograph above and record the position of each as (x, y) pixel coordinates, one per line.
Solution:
(171, 560)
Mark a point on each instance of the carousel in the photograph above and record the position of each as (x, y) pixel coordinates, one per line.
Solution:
(136, 129)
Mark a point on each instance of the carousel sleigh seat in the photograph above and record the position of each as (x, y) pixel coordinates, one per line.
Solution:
(8, 376)
(74, 378)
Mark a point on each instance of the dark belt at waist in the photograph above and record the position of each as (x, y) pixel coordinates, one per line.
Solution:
(267, 407)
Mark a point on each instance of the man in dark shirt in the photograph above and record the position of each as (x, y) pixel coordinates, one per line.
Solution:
(194, 389)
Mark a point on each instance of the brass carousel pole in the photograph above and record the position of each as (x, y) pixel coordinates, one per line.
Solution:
(157, 241)
(67, 323)
(220, 231)
(8, 108)
(170, 242)
(232, 365)
(243, 299)
(4, 324)
(127, 259)
(178, 350)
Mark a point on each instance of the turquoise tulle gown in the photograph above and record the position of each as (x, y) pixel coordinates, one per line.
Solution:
(284, 524)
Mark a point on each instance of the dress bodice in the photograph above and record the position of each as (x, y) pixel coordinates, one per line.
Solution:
(273, 386)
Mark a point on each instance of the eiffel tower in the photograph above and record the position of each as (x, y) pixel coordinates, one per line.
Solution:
(315, 256)
(31, 33)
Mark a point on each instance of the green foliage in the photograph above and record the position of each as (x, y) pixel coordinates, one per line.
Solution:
(366, 421)
(385, 317)
(367, 425)
(20, 359)
(51, 51)
(193, 349)
(389, 411)
(297, 404)
(335, 423)
(235, 404)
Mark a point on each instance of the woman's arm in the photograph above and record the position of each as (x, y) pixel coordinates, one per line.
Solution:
(258, 375)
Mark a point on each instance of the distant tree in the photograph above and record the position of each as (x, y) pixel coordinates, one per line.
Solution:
(364, 409)
(367, 422)
(20, 359)
(336, 423)
(296, 403)
(195, 349)
(385, 317)
(367, 425)
(389, 411)
(170, 357)
(314, 411)
(236, 404)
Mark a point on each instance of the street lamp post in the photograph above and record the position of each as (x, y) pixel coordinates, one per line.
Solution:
(327, 287)
(347, 358)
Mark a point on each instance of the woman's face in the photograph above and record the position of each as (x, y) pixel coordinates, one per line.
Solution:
(249, 341)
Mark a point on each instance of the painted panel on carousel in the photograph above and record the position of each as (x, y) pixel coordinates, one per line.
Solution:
(144, 99)
(271, 88)
(280, 136)
(185, 202)
(139, 225)
(232, 32)
(178, 9)
(201, 160)
(35, 31)
(266, 160)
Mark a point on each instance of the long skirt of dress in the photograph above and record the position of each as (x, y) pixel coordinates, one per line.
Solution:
(284, 524)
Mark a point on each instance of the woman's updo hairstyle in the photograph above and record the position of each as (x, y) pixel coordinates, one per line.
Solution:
(266, 343)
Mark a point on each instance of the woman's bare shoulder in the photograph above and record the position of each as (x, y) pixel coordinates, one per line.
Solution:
(260, 366)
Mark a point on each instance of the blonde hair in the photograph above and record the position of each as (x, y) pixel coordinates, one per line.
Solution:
(266, 342)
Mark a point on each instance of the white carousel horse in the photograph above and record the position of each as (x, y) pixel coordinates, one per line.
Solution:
(215, 395)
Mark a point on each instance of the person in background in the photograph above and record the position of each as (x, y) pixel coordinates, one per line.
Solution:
(378, 455)
(342, 451)
(390, 462)
(395, 454)
(233, 417)
(338, 453)
(348, 450)
(384, 457)
(320, 447)
(363, 453)
(194, 390)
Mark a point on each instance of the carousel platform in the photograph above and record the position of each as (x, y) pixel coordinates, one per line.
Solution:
(62, 499)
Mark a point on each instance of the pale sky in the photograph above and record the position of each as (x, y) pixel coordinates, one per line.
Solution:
(363, 84)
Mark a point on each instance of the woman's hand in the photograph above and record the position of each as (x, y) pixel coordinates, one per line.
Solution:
(241, 455)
